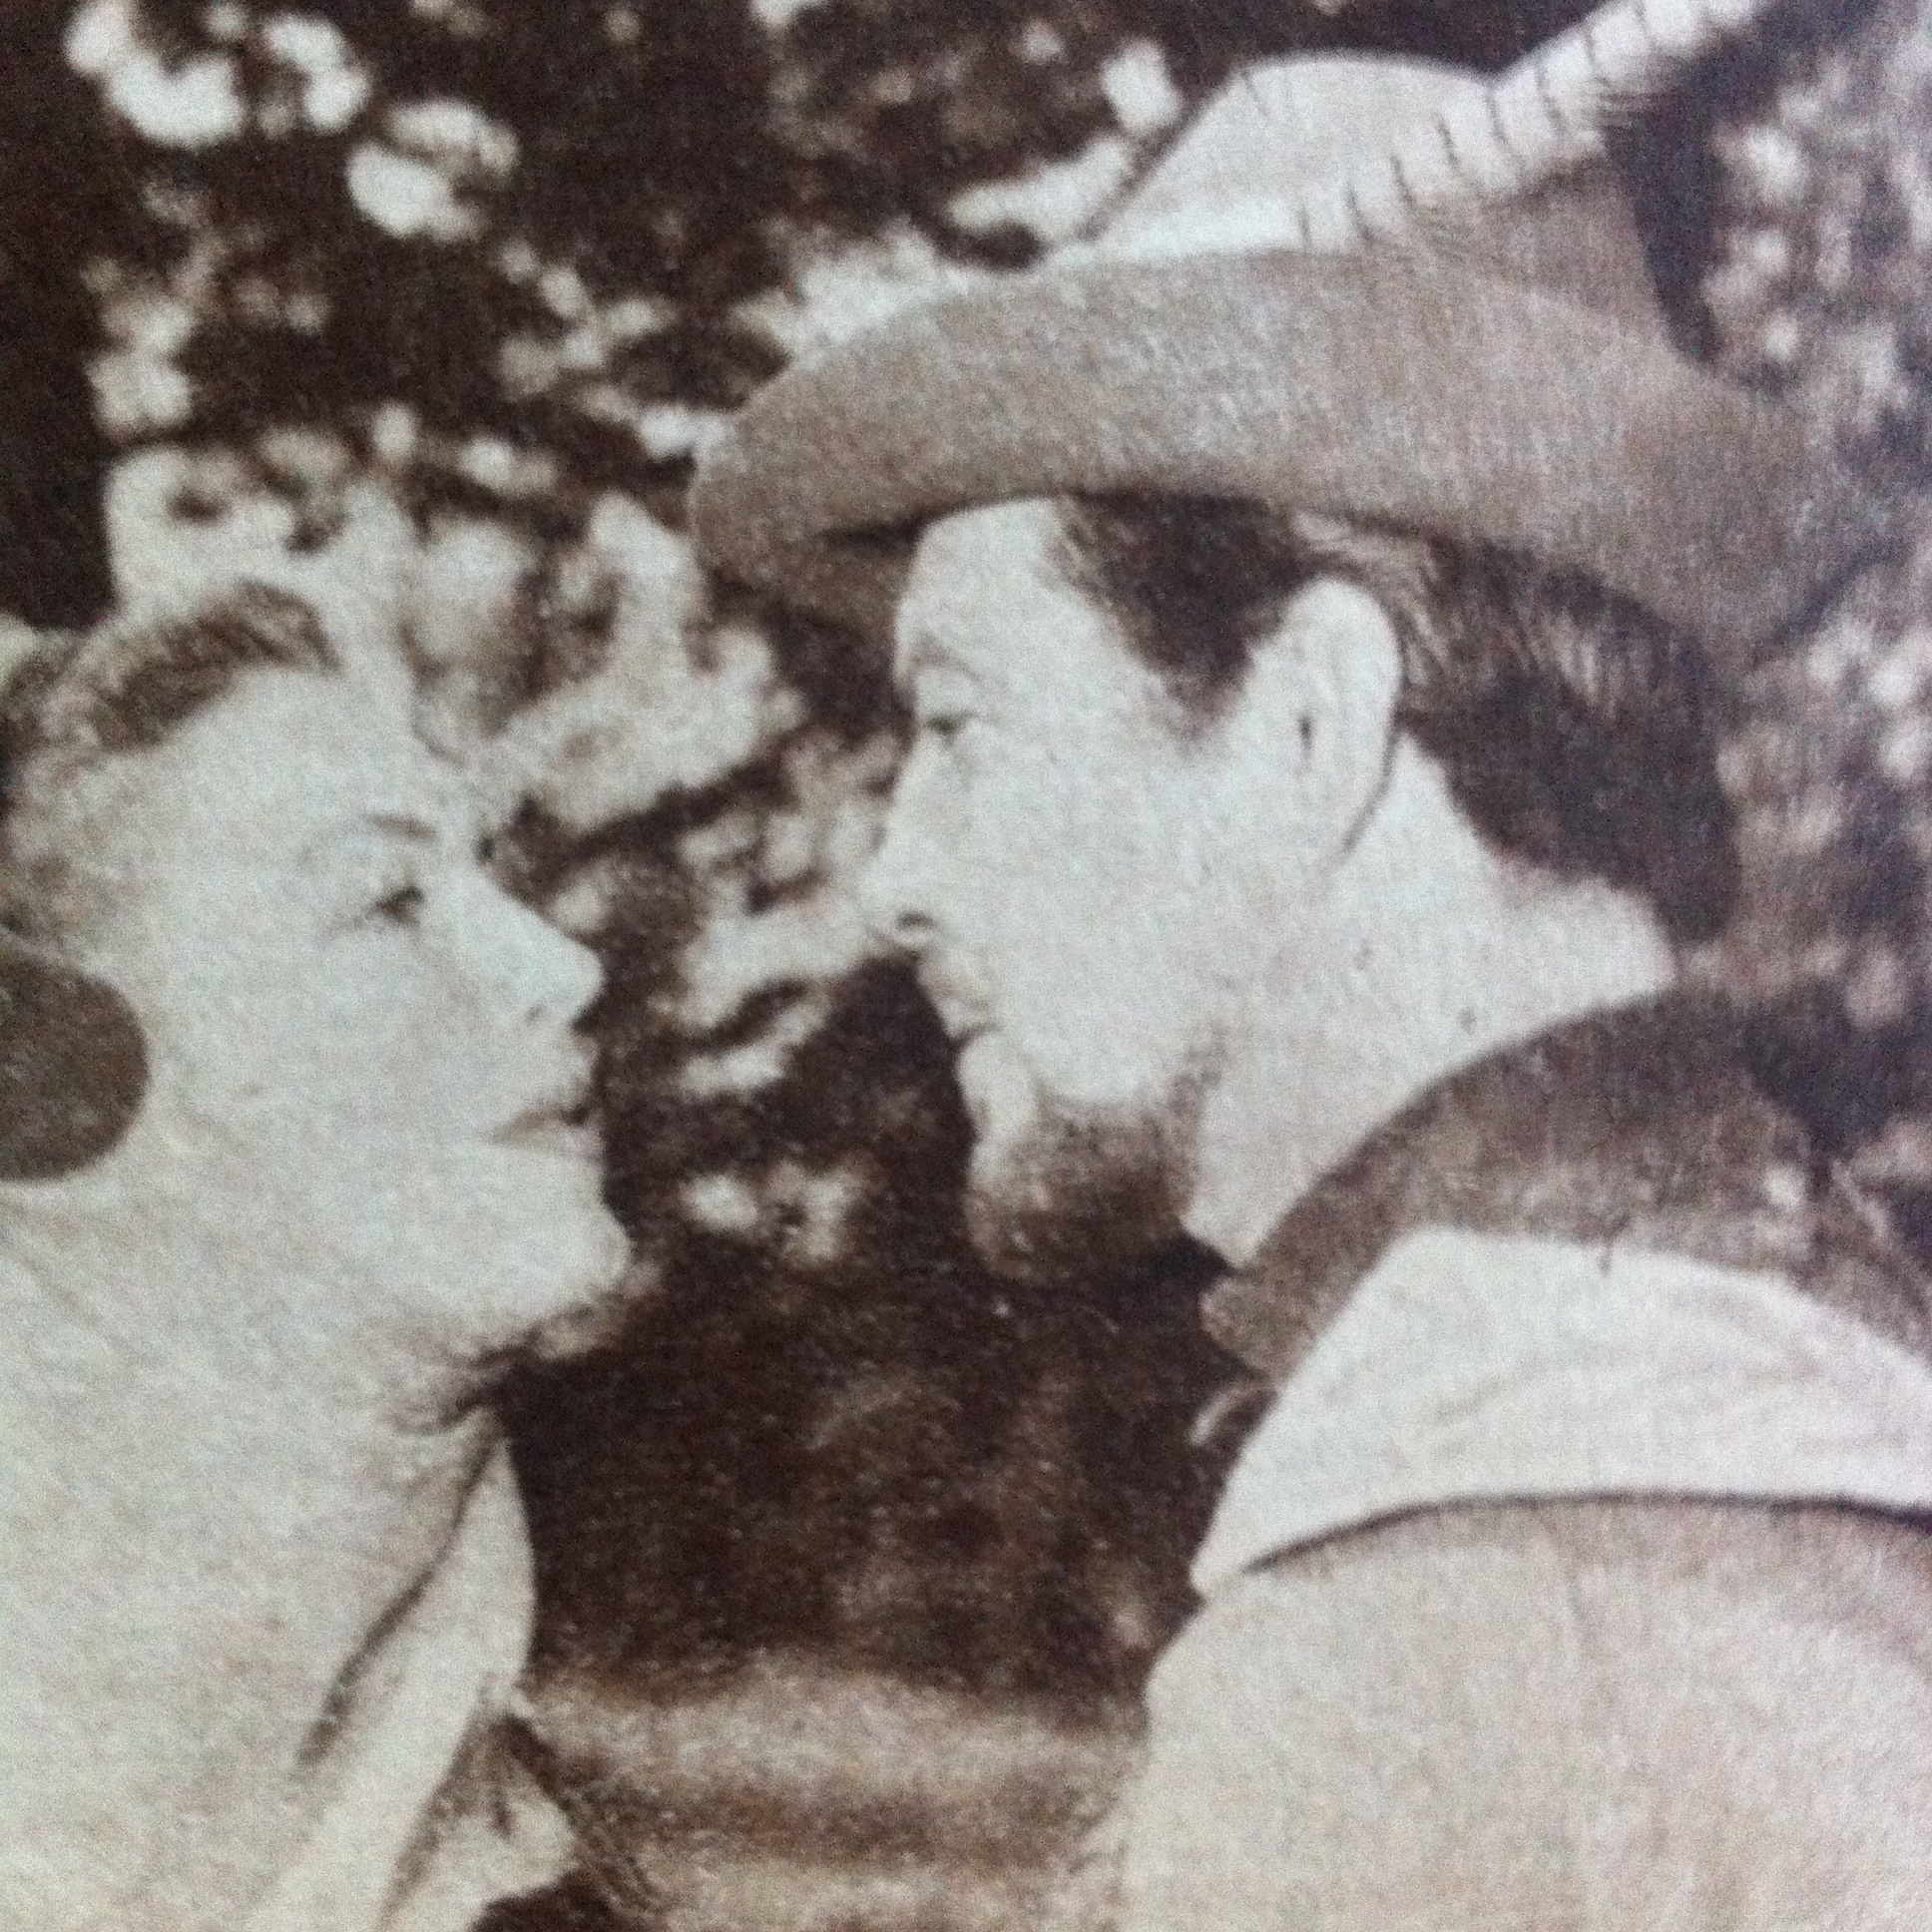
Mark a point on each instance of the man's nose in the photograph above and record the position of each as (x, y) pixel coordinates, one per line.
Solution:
(893, 887)
(537, 971)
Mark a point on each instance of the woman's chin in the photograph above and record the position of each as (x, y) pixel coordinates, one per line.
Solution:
(563, 1243)
(596, 1324)
(512, 1242)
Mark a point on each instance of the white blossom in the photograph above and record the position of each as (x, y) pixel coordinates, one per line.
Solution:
(149, 321)
(487, 460)
(853, 285)
(1897, 680)
(392, 433)
(775, 16)
(193, 105)
(1054, 200)
(672, 429)
(518, 261)
(722, 1202)
(455, 134)
(797, 942)
(763, 1062)
(1042, 43)
(1905, 754)
(102, 36)
(1140, 89)
(1878, 993)
(630, 317)
(407, 197)
(138, 394)
(563, 294)
(308, 43)
(332, 101)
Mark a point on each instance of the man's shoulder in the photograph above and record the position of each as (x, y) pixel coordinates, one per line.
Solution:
(1552, 1646)
(1535, 1702)
(1594, 1605)
(1573, 1574)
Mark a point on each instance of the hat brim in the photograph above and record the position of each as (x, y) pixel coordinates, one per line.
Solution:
(1401, 390)
(73, 1066)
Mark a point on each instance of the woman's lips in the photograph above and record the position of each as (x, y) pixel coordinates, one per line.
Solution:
(566, 1132)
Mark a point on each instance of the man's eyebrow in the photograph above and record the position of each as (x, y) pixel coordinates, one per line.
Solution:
(910, 653)
(924, 649)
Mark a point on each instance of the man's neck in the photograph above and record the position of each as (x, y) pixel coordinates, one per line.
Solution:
(1426, 967)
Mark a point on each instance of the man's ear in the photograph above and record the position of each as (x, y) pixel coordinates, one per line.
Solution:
(1317, 707)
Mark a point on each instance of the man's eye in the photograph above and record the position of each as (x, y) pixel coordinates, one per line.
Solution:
(945, 726)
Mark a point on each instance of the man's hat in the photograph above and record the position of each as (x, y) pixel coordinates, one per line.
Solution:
(1386, 291)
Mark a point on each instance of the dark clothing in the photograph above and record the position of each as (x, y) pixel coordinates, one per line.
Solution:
(1579, 1576)
(1647, 1128)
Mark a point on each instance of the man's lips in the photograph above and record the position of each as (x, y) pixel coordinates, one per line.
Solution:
(961, 1017)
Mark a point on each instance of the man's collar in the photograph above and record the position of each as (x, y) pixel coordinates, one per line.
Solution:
(1484, 1368)
(1644, 1122)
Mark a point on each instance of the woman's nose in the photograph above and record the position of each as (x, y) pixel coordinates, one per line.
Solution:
(541, 973)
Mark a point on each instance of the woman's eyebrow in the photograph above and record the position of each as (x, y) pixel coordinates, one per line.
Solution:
(401, 824)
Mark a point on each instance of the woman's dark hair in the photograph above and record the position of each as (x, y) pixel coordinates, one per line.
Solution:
(79, 702)
(1572, 727)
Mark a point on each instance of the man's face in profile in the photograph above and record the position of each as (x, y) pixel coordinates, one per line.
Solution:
(1060, 859)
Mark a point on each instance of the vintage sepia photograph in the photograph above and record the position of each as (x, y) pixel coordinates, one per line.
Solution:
(966, 965)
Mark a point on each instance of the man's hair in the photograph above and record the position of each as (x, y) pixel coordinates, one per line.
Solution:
(82, 701)
(1574, 729)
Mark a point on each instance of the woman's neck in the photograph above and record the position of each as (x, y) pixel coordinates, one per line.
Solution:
(157, 1260)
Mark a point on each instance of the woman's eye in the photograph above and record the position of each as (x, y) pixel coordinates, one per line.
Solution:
(402, 907)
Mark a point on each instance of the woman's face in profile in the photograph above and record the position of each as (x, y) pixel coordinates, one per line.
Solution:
(360, 1040)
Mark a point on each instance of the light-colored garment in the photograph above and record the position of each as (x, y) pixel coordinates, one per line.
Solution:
(1567, 1588)
(1478, 1367)
(395, 1845)
(256, 1628)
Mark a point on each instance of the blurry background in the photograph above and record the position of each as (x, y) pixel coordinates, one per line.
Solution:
(852, 1558)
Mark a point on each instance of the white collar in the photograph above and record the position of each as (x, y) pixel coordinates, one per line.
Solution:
(1469, 1366)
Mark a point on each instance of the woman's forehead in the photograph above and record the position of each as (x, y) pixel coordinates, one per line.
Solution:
(288, 757)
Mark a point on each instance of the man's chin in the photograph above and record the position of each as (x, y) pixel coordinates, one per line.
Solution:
(1079, 1200)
